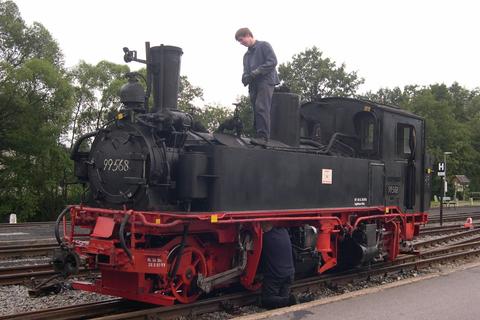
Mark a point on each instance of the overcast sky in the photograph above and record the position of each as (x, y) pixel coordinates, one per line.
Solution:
(389, 43)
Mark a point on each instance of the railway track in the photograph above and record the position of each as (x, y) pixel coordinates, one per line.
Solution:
(26, 224)
(467, 243)
(433, 219)
(432, 231)
(80, 311)
(450, 237)
(27, 249)
(121, 309)
(22, 274)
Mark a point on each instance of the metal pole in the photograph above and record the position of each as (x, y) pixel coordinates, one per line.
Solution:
(444, 181)
(441, 201)
(445, 176)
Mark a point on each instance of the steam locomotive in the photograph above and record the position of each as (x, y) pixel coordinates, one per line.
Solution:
(173, 212)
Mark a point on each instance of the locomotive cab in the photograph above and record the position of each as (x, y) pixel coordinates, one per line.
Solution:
(392, 140)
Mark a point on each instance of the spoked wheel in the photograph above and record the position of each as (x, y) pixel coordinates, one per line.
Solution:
(184, 285)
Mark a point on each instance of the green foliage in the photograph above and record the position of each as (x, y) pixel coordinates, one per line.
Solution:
(188, 94)
(211, 116)
(246, 115)
(43, 105)
(19, 42)
(35, 103)
(452, 115)
(96, 94)
(313, 76)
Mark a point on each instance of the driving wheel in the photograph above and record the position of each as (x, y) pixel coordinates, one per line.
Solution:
(184, 285)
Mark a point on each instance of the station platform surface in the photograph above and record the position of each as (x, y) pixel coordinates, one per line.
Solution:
(439, 296)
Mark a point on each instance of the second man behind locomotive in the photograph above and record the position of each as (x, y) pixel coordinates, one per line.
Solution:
(259, 73)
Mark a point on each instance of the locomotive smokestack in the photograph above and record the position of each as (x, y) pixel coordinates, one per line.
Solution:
(165, 70)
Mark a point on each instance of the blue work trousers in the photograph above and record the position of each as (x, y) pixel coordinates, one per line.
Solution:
(276, 291)
(261, 99)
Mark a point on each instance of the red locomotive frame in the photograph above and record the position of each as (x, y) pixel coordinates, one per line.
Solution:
(138, 269)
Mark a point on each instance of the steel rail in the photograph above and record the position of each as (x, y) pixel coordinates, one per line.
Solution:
(27, 250)
(24, 274)
(450, 237)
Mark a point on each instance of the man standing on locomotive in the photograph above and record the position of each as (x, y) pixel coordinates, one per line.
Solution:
(260, 75)
(277, 266)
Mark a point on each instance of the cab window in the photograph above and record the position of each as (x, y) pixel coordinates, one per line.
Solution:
(366, 126)
(405, 140)
(367, 135)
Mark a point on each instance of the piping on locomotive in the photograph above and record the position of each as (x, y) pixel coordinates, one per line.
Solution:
(173, 213)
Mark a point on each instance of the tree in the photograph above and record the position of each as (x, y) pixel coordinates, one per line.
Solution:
(96, 94)
(452, 117)
(246, 115)
(188, 94)
(211, 116)
(395, 96)
(19, 42)
(313, 77)
(35, 103)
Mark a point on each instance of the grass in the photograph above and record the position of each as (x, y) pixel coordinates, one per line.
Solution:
(460, 203)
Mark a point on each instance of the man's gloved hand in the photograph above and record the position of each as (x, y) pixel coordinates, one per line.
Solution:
(246, 79)
(255, 73)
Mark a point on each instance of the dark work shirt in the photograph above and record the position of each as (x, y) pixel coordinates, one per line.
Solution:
(261, 57)
(277, 259)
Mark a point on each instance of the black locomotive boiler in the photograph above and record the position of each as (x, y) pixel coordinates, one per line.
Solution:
(173, 212)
